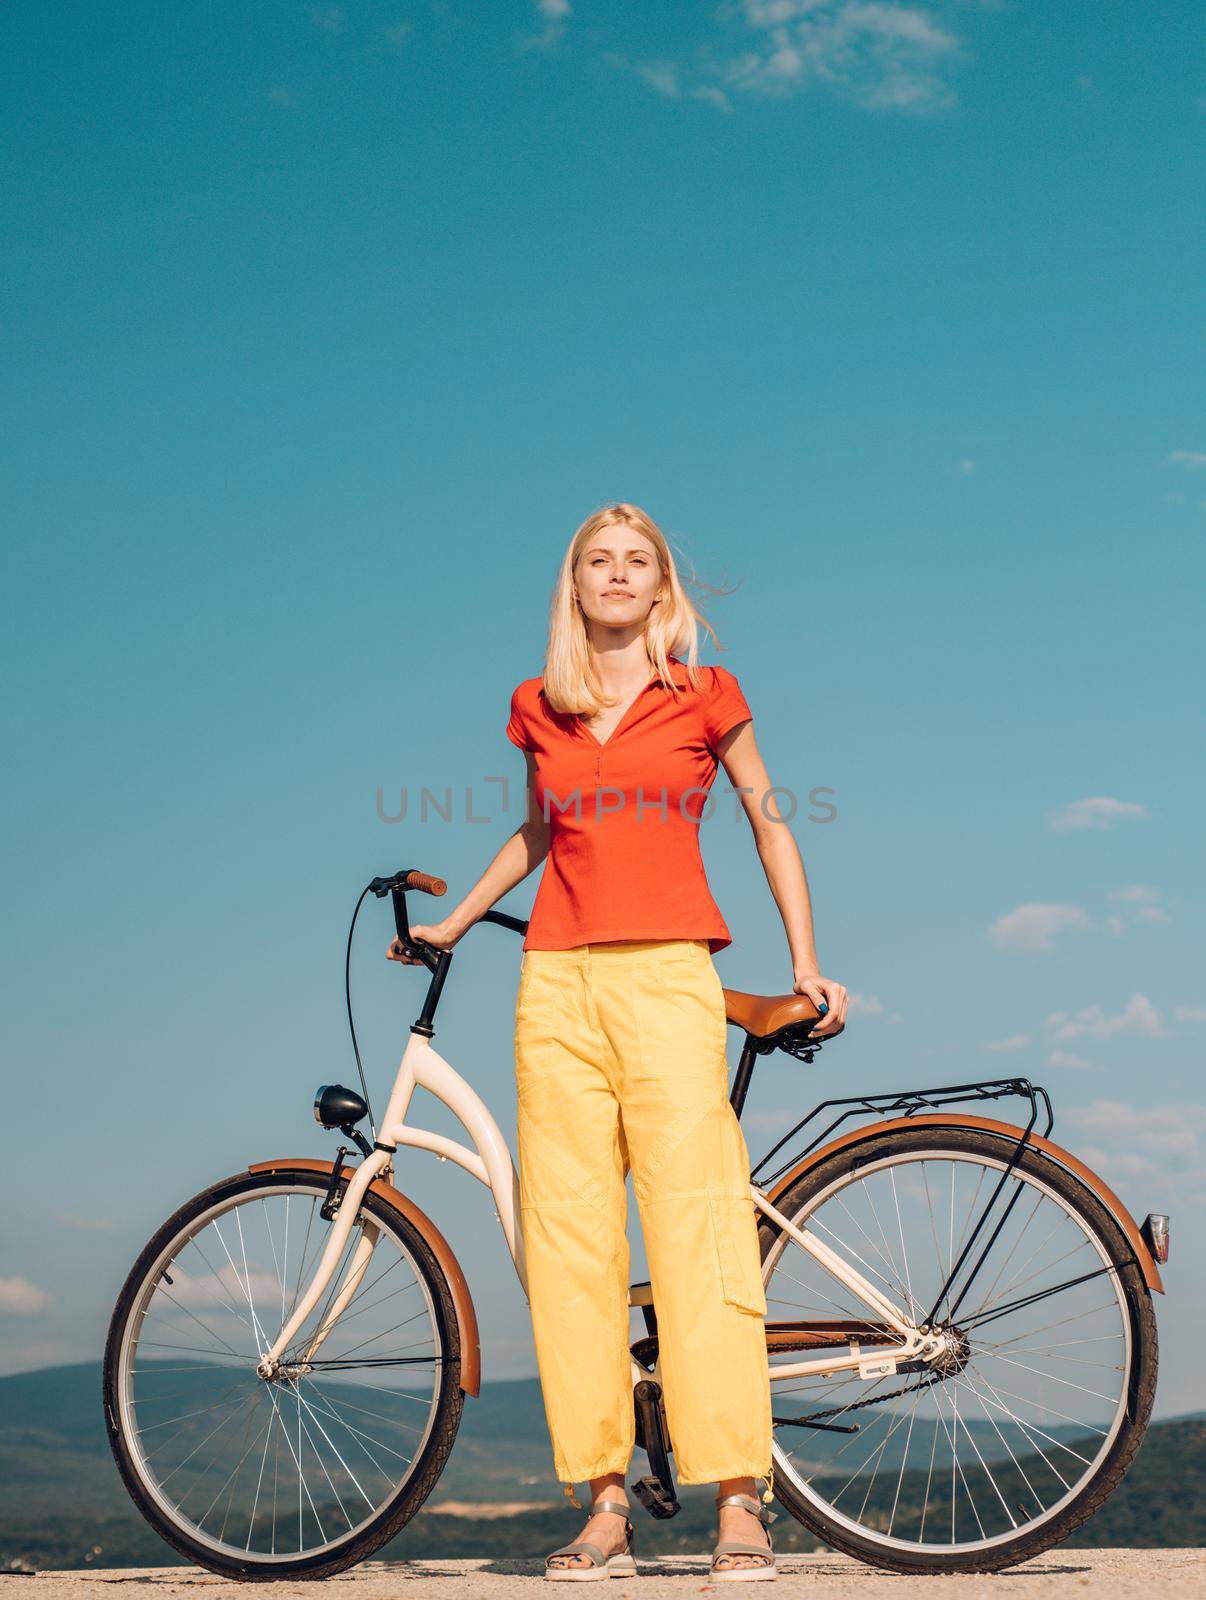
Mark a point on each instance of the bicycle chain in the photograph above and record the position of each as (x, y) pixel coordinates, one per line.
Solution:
(873, 1400)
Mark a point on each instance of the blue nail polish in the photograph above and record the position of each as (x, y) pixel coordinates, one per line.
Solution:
(822, 1008)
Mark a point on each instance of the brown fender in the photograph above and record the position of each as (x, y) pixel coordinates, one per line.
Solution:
(1147, 1264)
(466, 1316)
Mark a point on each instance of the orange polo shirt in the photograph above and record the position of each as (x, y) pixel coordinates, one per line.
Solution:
(624, 860)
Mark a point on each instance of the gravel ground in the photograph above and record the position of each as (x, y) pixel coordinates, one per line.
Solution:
(1173, 1574)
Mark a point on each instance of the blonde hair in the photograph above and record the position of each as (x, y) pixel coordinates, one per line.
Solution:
(571, 683)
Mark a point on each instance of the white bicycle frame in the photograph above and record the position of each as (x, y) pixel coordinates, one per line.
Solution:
(490, 1162)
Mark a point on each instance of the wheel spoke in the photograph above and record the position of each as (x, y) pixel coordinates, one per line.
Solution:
(294, 1467)
(904, 1251)
(217, 1277)
(326, 1403)
(949, 1459)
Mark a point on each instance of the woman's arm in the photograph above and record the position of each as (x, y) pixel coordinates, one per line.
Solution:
(780, 856)
(524, 850)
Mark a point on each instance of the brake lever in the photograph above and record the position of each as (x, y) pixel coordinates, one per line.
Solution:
(426, 954)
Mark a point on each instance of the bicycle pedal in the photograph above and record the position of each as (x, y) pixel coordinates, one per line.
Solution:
(658, 1500)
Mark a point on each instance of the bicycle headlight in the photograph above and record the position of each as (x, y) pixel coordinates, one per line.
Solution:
(337, 1107)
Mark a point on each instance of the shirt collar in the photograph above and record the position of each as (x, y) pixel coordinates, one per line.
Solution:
(678, 674)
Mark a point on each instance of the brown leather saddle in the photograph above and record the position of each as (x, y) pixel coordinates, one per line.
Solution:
(765, 1015)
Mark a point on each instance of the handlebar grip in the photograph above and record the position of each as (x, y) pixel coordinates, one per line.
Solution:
(426, 882)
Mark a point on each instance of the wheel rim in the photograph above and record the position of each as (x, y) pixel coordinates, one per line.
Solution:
(291, 1470)
(1035, 1397)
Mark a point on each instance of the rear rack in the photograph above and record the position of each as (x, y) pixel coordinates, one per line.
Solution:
(906, 1103)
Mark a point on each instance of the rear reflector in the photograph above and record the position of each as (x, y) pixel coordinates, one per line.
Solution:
(1155, 1235)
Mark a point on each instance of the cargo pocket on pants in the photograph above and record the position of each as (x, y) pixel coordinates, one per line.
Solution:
(737, 1252)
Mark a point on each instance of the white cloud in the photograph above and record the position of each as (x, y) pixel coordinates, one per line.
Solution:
(900, 22)
(1016, 1041)
(864, 1005)
(667, 78)
(329, 18)
(228, 1289)
(967, 465)
(1161, 1145)
(1065, 1058)
(1033, 927)
(1141, 900)
(1188, 458)
(555, 15)
(1134, 894)
(1190, 1013)
(1099, 811)
(662, 76)
(20, 1298)
(1164, 1129)
(44, 1351)
(880, 54)
(1140, 1017)
(78, 1224)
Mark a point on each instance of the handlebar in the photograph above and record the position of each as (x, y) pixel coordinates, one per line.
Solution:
(408, 878)
(396, 886)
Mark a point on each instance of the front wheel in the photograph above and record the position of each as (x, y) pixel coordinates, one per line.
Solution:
(1041, 1403)
(311, 1472)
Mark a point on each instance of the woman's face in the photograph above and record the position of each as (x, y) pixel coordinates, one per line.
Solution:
(618, 577)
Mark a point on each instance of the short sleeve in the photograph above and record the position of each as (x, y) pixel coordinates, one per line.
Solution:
(517, 730)
(725, 707)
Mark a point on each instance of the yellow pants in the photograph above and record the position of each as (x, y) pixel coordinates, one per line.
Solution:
(620, 1065)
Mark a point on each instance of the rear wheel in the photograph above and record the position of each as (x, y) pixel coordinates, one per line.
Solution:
(307, 1474)
(1046, 1393)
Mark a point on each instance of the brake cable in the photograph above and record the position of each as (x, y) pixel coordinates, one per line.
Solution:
(347, 989)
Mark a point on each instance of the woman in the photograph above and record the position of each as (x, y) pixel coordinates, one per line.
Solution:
(620, 1040)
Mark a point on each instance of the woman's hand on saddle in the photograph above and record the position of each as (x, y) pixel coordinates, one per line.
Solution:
(443, 935)
(823, 992)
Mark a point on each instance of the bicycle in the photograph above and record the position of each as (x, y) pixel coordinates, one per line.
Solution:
(288, 1359)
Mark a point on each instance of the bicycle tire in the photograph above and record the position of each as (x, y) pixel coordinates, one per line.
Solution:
(427, 1467)
(1140, 1379)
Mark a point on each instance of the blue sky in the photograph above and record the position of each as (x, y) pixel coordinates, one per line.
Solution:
(325, 326)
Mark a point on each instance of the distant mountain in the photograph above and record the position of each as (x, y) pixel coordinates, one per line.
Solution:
(62, 1504)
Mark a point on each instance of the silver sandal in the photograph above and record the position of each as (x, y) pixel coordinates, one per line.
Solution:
(620, 1565)
(738, 1547)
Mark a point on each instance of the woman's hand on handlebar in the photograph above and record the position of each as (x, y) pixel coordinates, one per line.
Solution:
(443, 935)
(823, 992)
